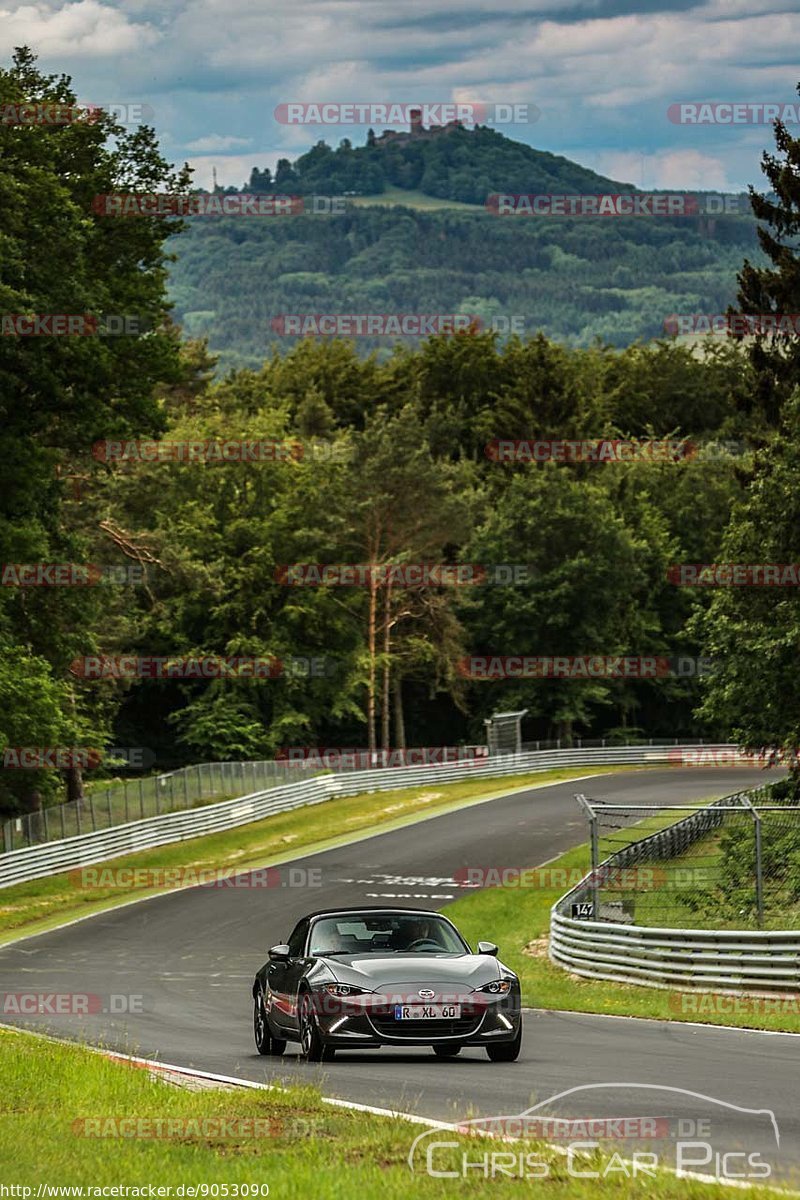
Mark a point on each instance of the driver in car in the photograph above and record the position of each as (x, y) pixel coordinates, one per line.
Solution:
(416, 931)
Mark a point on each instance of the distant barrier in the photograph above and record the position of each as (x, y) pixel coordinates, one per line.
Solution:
(34, 862)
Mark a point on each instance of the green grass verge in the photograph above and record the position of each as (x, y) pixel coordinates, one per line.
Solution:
(304, 1147)
(46, 903)
(518, 919)
(412, 198)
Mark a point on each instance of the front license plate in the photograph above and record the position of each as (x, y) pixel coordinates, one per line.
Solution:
(426, 1012)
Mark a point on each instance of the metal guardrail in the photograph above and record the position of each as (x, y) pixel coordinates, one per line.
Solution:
(689, 959)
(34, 862)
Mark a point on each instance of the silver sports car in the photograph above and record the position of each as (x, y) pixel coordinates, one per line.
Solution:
(360, 978)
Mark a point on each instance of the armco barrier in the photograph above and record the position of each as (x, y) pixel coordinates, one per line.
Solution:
(687, 959)
(34, 862)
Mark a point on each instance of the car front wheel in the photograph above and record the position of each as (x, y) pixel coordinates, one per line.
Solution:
(312, 1044)
(506, 1051)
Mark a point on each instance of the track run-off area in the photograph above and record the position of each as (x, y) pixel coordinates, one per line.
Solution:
(183, 964)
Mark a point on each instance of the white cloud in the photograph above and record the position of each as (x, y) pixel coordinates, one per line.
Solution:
(85, 29)
(233, 170)
(681, 170)
(217, 141)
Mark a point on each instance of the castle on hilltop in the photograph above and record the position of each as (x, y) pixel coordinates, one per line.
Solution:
(416, 132)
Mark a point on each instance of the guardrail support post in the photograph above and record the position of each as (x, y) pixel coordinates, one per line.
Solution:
(595, 845)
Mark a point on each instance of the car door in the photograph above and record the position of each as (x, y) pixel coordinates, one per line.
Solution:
(283, 980)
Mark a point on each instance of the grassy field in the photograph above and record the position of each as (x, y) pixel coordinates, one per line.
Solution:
(69, 1117)
(394, 196)
(44, 903)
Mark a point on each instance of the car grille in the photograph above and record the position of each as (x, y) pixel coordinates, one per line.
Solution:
(459, 1027)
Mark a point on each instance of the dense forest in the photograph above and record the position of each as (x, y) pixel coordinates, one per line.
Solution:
(574, 279)
(373, 460)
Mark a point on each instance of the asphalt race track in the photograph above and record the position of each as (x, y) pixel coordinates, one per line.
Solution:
(191, 955)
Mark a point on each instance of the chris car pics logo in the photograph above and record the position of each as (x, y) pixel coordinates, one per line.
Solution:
(654, 1126)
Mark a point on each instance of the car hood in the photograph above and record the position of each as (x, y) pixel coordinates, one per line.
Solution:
(381, 970)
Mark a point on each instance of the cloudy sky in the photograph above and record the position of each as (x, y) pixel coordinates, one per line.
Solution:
(601, 73)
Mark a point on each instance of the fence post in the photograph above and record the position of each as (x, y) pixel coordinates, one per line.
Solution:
(185, 787)
(199, 781)
(758, 864)
(594, 842)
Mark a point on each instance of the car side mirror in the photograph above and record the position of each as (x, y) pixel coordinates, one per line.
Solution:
(487, 948)
(279, 953)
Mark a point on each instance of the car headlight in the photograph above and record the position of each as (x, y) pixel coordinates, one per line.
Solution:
(344, 989)
(498, 987)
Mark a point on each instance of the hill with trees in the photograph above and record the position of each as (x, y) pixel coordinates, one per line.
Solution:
(575, 279)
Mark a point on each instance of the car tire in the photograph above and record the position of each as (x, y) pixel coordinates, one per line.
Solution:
(312, 1045)
(446, 1051)
(265, 1042)
(506, 1051)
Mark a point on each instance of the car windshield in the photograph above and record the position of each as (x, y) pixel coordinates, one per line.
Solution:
(392, 933)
